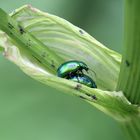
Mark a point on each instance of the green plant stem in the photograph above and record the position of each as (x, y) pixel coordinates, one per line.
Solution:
(129, 79)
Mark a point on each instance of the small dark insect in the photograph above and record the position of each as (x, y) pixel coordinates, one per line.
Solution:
(94, 97)
(21, 30)
(82, 97)
(88, 94)
(78, 86)
(127, 63)
(10, 25)
(52, 64)
(81, 31)
(37, 59)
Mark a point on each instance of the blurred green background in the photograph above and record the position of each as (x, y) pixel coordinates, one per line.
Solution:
(32, 111)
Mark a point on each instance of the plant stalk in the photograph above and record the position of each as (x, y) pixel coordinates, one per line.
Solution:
(129, 78)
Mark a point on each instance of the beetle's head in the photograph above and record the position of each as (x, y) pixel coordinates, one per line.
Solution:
(84, 66)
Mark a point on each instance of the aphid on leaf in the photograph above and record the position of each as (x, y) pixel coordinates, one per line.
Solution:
(10, 25)
(21, 30)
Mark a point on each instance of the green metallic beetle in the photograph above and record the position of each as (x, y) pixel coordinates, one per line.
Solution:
(85, 80)
(71, 68)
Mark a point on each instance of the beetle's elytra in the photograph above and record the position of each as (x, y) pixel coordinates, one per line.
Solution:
(85, 80)
(73, 70)
(70, 68)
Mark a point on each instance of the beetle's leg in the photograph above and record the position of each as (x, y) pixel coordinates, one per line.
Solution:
(70, 75)
(79, 73)
(82, 72)
(93, 72)
(78, 79)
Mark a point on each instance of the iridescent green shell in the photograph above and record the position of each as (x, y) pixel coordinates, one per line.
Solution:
(71, 67)
(85, 80)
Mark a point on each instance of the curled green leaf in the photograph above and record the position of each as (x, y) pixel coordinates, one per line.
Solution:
(69, 42)
(39, 42)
